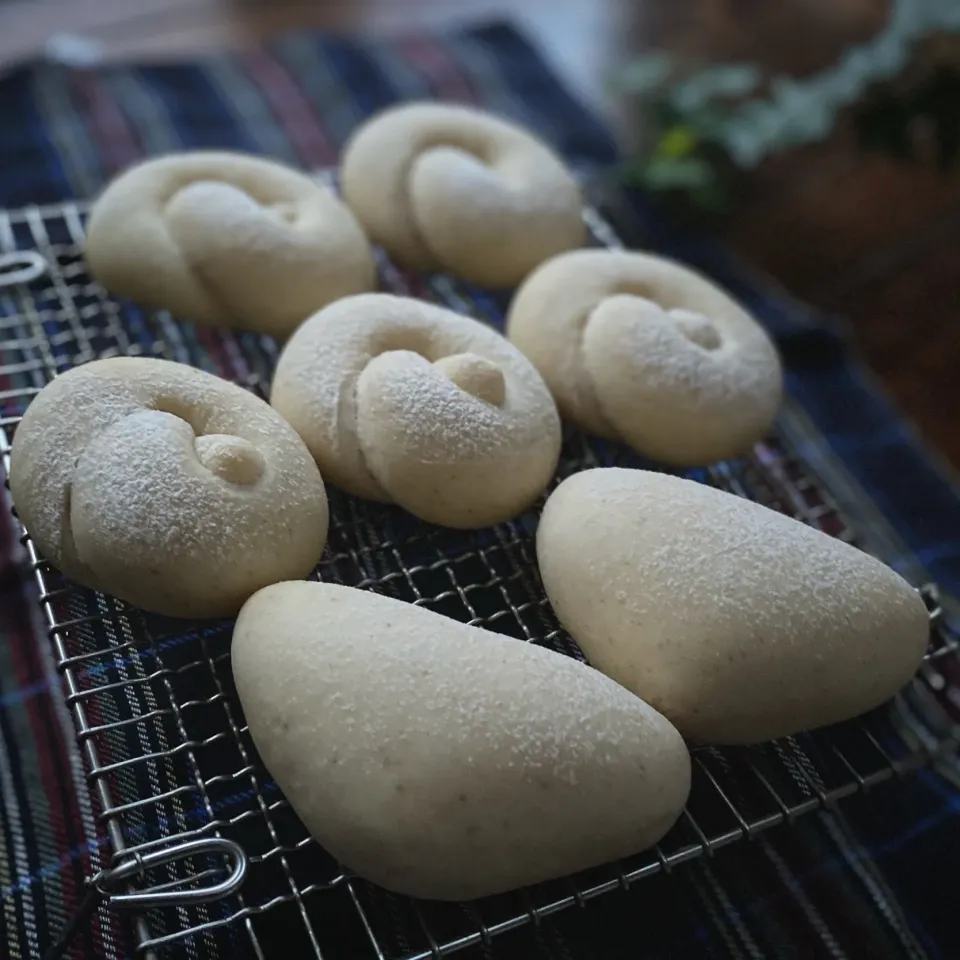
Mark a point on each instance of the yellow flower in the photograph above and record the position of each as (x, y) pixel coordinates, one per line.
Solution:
(677, 142)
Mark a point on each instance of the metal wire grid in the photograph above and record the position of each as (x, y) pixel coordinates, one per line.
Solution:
(164, 738)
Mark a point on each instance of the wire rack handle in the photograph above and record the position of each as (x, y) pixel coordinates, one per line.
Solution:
(107, 881)
(101, 887)
(22, 266)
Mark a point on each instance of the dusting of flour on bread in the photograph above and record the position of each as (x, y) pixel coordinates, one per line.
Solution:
(111, 474)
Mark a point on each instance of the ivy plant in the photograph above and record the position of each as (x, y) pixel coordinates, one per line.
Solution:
(709, 124)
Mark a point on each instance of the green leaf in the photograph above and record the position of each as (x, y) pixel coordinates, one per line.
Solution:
(710, 122)
(677, 141)
(715, 83)
(645, 74)
(687, 173)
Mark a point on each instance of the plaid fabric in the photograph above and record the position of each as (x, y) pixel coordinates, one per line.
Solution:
(870, 880)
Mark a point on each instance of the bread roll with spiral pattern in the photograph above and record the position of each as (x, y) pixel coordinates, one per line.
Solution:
(227, 240)
(406, 402)
(452, 188)
(644, 350)
(166, 486)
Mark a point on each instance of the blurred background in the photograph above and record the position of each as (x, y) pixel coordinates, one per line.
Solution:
(819, 138)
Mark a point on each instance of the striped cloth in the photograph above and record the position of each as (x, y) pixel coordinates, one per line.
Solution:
(870, 881)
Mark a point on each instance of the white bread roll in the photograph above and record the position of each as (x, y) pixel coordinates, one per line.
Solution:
(452, 188)
(443, 761)
(737, 623)
(166, 486)
(406, 402)
(228, 240)
(643, 350)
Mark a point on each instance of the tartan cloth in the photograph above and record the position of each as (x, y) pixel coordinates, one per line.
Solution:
(871, 879)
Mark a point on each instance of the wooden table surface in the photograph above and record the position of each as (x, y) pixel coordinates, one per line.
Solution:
(857, 234)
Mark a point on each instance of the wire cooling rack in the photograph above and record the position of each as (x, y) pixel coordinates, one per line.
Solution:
(169, 758)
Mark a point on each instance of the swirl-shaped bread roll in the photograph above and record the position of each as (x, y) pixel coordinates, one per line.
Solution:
(166, 486)
(643, 350)
(406, 402)
(228, 240)
(451, 188)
